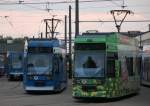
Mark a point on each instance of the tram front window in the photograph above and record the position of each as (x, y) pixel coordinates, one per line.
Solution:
(89, 63)
(39, 64)
(1, 61)
(17, 62)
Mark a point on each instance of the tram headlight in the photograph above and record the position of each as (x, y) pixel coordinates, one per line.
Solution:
(76, 81)
(48, 72)
(30, 77)
(99, 81)
(49, 77)
(84, 81)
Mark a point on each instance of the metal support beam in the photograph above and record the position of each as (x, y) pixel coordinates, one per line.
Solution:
(119, 12)
(65, 30)
(52, 28)
(41, 35)
(51, 25)
(70, 45)
(77, 17)
(46, 29)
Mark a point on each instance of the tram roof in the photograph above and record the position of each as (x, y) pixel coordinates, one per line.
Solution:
(99, 34)
(14, 52)
(110, 37)
(43, 43)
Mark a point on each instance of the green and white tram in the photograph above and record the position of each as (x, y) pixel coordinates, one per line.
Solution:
(105, 65)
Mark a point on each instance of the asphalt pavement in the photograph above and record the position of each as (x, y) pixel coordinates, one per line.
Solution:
(13, 94)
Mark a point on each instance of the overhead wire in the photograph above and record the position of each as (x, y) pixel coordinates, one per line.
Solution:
(117, 21)
(4, 1)
(59, 2)
(29, 4)
(33, 7)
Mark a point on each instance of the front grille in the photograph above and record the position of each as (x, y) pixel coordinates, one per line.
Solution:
(89, 88)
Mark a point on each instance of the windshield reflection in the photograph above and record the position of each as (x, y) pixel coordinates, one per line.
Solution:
(39, 64)
(89, 63)
(17, 61)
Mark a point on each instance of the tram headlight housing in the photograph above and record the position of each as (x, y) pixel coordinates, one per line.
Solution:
(47, 73)
(99, 82)
(30, 77)
(84, 82)
(76, 81)
(49, 77)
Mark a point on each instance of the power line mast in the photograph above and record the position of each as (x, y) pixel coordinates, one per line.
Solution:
(51, 26)
(116, 13)
(70, 43)
(76, 17)
(120, 13)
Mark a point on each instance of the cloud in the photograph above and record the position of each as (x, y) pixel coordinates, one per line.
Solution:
(28, 23)
(24, 23)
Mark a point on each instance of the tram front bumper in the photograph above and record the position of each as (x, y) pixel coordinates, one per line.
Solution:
(90, 94)
(16, 75)
(80, 91)
(31, 88)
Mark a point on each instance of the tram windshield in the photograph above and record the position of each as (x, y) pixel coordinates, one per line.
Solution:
(89, 63)
(39, 64)
(1, 62)
(16, 61)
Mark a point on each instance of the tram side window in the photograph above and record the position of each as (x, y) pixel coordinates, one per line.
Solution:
(129, 62)
(139, 62)
(146, 64)
(111, 64)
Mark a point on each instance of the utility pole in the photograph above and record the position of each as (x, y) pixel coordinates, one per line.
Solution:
(51, 25)
(77, 17)
(65, 30)
(70, 45)
(140, 41)
(52, 28)
(46, 29)
(41, 35)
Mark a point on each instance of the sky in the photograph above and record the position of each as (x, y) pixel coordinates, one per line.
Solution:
(21, 20)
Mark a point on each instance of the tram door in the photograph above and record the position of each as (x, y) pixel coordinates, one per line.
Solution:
(146, 68)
